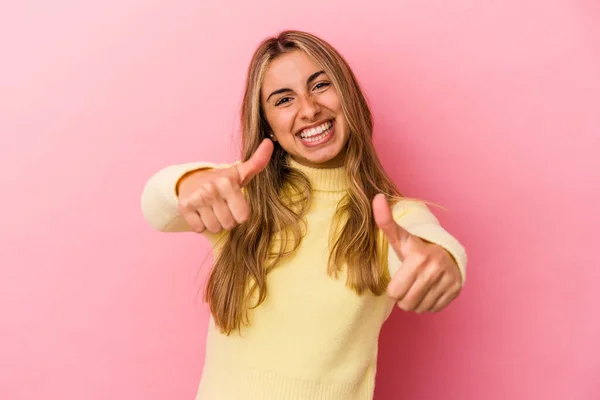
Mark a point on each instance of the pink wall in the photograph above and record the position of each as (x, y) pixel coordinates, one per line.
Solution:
(488, 107)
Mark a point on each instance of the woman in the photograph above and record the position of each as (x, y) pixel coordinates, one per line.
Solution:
(309, 233)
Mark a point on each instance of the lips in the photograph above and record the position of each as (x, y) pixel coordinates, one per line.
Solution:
(315, 129)
(319, 135)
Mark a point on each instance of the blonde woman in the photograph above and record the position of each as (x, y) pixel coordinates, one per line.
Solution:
(309, 235)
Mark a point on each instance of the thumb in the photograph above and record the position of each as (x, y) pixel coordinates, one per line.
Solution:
(384, 219)
(256, 163)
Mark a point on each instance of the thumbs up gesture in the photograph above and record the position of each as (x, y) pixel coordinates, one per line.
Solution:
(213, 199)
(429, 278)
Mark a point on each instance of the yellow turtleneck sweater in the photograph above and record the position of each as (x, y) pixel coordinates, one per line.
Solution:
(312, 338)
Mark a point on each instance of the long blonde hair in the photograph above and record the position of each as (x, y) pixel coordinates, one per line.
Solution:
(245, 258)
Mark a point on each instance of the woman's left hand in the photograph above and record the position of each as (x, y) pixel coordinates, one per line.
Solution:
(429, 278)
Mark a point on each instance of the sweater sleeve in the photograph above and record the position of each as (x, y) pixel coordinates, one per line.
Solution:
(160, 205)
(418, 220)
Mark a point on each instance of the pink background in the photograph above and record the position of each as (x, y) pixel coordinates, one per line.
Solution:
(488, 107)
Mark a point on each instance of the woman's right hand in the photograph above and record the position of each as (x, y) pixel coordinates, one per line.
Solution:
(213, 200)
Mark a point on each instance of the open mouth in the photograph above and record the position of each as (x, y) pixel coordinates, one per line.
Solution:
(317, 134)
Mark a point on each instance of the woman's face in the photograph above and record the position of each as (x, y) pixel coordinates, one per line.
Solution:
(304, 111)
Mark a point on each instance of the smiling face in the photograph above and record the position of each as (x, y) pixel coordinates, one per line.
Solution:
(304, 111)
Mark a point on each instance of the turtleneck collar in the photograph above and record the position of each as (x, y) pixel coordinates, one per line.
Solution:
(323, 179)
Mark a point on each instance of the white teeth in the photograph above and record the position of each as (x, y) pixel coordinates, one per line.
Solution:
(309, 133)
(314, 138)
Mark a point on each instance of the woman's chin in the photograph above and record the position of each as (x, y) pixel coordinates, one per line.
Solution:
(330, 159)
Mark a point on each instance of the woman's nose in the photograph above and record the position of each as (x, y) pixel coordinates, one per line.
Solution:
(309, 108)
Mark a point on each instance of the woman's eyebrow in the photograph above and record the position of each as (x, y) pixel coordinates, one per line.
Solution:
(284, 90)
(314, 76)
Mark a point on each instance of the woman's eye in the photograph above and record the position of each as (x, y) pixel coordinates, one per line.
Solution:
(321, 85)
(282, 100)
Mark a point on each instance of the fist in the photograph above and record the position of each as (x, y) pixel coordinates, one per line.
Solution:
(429, 278)
(213, 199)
